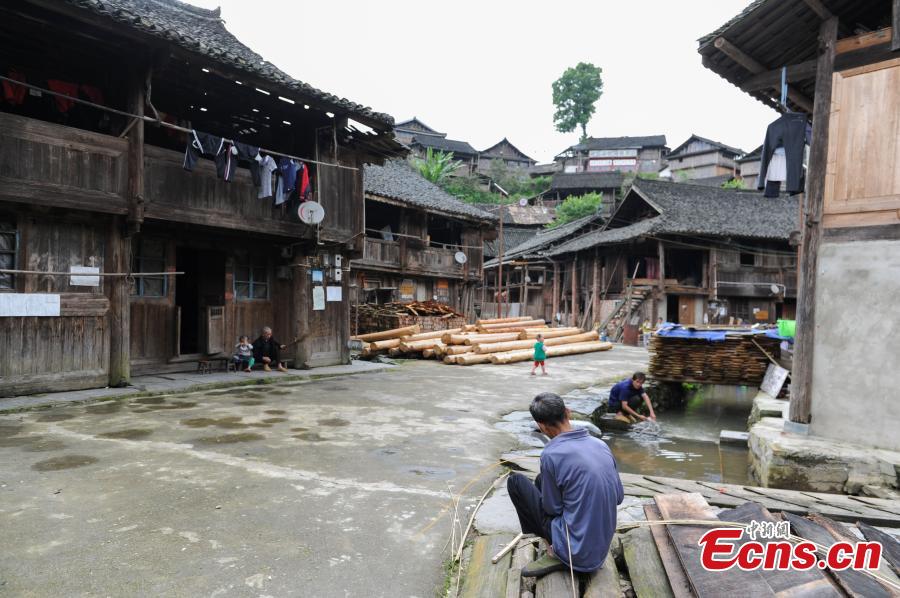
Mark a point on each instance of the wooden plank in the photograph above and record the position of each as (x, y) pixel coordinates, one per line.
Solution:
(889, 544)
(686, 540)
(522, 555)
(678, 581)
(555, 585)
(604, 582)
(711, 494)
(645, 568)
(855, 583)
(890, 506)
(793, 584)
(865, 40)
(745, 495)
(805, 505)
(483, 579)
(847, 503)
(842, 534)
(801, 377)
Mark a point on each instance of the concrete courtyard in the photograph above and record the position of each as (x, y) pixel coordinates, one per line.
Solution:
(331, 487)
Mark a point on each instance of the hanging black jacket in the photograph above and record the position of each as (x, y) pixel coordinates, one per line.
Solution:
(789, 131)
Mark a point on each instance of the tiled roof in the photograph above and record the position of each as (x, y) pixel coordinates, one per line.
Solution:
(711, 181)
(443, 144)
(675, 152)
(203, 32)
(750, 156)
(512, 237)
(521, 215)
(546, 238)
(517, 155)
(605, 143)
(686, 209)
(397, 180)
(586, 180)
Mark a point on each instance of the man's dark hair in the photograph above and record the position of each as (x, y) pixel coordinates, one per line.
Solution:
(639, 376)
(548, 408)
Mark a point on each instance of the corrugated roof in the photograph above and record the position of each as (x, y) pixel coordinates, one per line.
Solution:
(397, 180)
(586, 180)
(203, 32)
(443, 144)
(686, 209)
(597, 143)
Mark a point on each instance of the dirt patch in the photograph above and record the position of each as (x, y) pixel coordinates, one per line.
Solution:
(104, 408)
(231, 422)
(230, 438)
(64, 462)
(129, 434)
(151, 400)
(310, 436)
(7, 431)
(274, 420)
(336, 422)
(275, 411)
(55, 417)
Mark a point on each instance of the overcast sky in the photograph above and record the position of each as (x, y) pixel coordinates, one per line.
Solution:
(482, 70)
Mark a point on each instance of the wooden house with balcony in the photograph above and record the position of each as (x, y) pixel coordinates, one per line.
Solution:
(98, 100)
(615, 154)
(690, 254)
(702, 158)
(421, 243)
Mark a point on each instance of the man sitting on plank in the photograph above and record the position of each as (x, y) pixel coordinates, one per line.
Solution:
(625, 399)
(265, 351)
(572, 502)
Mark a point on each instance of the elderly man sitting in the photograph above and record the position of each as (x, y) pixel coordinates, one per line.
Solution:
(265, 351)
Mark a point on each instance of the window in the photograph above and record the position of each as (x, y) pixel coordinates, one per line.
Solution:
(9, 245)
(748, 259)
(149, 255)
(251, 279)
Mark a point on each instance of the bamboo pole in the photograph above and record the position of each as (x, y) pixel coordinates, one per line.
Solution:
(501, 320)
(549, 333)
(529, 343)
(528, 354)
(477, 339)
(388, 334)
(523, 323)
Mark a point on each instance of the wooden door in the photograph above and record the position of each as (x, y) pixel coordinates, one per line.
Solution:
(686, 307)
(215, 329)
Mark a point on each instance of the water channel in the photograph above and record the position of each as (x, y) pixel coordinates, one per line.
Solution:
(687, 445)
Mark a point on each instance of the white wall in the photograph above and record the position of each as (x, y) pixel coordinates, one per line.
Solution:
(855, 392)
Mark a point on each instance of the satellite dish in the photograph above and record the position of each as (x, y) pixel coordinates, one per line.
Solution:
(311, 212)
(523, 202)
(460, 257)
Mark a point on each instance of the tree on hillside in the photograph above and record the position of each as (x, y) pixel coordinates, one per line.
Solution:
(436, 166)
(574, 95)
(575, 207)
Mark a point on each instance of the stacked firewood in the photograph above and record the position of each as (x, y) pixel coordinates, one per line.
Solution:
(736, 361)
(369, 317)
(498, 341)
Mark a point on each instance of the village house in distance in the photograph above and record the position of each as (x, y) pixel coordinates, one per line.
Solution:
(106, 190)
(699, 158)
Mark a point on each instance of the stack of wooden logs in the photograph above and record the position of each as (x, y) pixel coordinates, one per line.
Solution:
(737, 360)
(497, 341)
(430, 315)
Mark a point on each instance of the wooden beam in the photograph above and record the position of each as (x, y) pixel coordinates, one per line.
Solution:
(811, 225)
(749, 63)
(595, 290)
(861, 42)
(135, 188)
(574, 321)
(819, 8)
(119, 315)
(895, 37)
(555, 291)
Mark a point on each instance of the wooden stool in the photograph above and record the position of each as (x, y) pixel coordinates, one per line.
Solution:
(204, 367)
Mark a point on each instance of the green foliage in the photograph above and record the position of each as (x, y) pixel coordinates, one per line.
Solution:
(436, 166)
(469, 190)
(574, 95)
(518, 184)
(575, 207)
(734, 184)
(650, 176)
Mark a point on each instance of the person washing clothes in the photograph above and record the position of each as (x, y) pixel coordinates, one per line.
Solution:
(540, 356)
(625, 399)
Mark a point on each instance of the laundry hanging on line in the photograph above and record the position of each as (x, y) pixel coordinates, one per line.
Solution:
(789, 131)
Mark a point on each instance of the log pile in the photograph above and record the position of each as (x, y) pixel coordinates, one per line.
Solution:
(428, 315)
(509, 340)
(734, 361)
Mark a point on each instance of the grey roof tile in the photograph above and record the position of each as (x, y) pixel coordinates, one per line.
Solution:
(443, 144)
(586, 180)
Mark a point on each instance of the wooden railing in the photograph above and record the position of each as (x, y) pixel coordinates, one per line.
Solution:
(755, 281)
(377, 251)
(434, 261)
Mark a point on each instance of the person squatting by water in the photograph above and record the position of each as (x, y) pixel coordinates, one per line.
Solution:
(572, 502)
(625, 399)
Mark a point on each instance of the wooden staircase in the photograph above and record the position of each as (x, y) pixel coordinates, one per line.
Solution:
(635, 295)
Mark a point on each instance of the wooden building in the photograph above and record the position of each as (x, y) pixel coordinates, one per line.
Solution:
(421, 243)
(461, 150)
(176, 264)
(507, 154)
(406, 130)
(702, 158)
(748, 167)
(841, 60)
(608, 184)
(690, 254)
(609, 154)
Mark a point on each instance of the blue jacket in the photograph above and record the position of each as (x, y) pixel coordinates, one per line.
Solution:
(580, 486)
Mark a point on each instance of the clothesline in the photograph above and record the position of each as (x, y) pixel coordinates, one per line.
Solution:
(445, 245)
(159, 122)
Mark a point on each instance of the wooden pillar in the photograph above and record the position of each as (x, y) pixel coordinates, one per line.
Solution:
(811, 228)
(135, 104)
(119, 315)
(556, 290)
(524, 297)
(301, 299)
(344, 324)
(595, 290)
(574, 321)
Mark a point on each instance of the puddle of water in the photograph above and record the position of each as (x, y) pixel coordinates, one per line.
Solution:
(64, 462)
(175, 405)
(151, 400)
(250, 403)
(231, 422)
(230, 438)
(129, 434)
(105, 408)
(310, 436)
(274, 420)
(275, 411)
(336, 422)
(687, 446)
(55, 417)
(299, 429)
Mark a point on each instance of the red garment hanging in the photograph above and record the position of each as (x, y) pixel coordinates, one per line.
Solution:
(63, 87)
(12, 93)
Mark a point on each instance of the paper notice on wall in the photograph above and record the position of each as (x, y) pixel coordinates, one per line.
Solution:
(28, 304)
(84, 281)
(318, 294)
(334, 293)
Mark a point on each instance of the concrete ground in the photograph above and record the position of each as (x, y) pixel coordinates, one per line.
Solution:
(328, 487)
